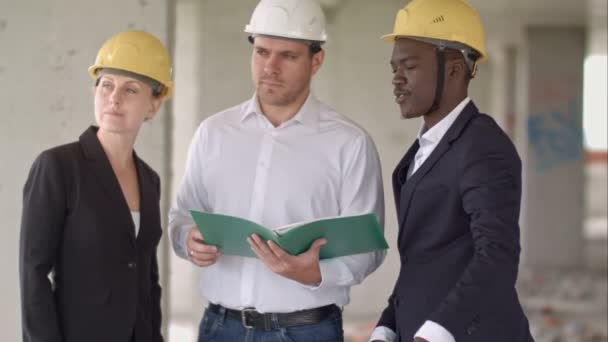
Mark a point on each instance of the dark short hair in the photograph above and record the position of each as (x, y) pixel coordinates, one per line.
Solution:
(313, 45)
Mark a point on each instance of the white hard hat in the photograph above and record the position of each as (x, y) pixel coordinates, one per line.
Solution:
(295, 19)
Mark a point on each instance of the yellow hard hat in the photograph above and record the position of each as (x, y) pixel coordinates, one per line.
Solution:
(448, 21)
(137, 52)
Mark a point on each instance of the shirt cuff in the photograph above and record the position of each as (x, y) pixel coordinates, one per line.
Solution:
(183, 237)
(434, 332)
(333, 272)
(383, 334)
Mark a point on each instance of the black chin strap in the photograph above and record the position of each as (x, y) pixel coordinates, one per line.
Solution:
(440, 79)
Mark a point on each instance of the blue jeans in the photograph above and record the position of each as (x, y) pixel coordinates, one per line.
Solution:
(215, 327)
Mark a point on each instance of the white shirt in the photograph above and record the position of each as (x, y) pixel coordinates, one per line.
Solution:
(318, 164)
(428, 139)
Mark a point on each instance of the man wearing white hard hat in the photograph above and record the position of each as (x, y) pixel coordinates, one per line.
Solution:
(278, 158)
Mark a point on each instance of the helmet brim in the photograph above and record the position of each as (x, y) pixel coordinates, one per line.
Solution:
(389, 38)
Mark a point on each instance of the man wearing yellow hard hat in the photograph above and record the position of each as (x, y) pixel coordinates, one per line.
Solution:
(278, 158)
(457, 190)
(91, 215)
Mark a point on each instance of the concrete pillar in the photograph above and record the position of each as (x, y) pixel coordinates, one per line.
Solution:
(46, 101)
(212, 73)
(554, 163)
(186, 112)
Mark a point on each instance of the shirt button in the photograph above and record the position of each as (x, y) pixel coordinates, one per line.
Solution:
(132, 264)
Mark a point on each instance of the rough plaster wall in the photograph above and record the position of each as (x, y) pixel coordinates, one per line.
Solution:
(46, 99)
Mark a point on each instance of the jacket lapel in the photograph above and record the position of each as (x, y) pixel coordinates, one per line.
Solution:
(400, 175)
(407, 190)
(147, 198)
(100, 166)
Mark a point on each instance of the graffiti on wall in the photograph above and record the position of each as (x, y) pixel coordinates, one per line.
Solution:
(556, 136)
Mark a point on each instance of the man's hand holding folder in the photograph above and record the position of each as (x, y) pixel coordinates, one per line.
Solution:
(343, 236)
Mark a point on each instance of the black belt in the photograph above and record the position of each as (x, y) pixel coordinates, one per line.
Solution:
(263, 321)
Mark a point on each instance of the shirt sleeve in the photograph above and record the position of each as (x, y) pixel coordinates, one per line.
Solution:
(361, 193)
(383, 334)
(191, 194)
(434, 332)
(490, 186)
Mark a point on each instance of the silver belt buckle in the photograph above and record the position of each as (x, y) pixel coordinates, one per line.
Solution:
(244, 317)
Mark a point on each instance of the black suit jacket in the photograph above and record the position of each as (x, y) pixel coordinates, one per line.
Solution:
(459, 237)
(76, 222)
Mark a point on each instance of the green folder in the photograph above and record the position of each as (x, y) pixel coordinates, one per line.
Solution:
(345, 235)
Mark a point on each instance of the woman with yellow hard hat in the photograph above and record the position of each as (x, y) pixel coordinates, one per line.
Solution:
(91, 219)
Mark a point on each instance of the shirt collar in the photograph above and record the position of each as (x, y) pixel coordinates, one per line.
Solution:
(308, 115)
(251, 108)
(434, 134)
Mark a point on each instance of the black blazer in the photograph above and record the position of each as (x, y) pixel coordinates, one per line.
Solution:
(459, 237)
(76, 222)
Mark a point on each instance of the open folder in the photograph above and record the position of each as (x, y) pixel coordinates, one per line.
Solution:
(345, 235)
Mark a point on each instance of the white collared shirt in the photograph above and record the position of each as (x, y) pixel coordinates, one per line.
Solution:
(317, 164)
(428, 139)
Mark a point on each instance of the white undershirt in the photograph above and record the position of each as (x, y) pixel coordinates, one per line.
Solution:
(136, 219)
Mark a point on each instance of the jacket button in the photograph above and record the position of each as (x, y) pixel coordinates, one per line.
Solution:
(471, 330)
(132, 264)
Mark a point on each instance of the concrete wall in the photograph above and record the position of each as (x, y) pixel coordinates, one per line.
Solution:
(47, 100)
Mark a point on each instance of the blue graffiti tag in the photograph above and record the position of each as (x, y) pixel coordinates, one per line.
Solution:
(556, 137)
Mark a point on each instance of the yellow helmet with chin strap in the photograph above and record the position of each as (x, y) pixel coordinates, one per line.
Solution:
(139, 53)
(448, 23)
(452, 24)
